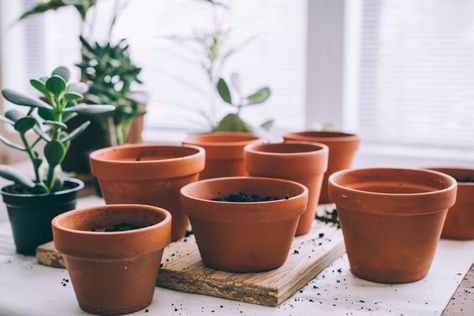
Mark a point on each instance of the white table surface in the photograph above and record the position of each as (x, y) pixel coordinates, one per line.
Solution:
(27, 288)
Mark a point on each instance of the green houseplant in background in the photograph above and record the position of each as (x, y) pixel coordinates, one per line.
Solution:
(233, 122)
(110, 74)
(32, 203)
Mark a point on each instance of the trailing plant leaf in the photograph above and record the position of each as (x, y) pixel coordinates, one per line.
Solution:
(41, 134)
(224, 91)
(267, 125)
(76, 132)
(56, 84)
(54, 123)
(90, 108)
(23, 100)
(260, 96)
(62, 72)
(24, 124)
(9, 173)
(54, 153)
(232, 123)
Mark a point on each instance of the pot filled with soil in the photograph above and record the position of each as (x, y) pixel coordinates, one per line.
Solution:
(391, 220)
(298, 161)
(224, 153)
(459, 222)
(244, 224)
(148, 174)
(342, 147)
(113, 254)
(30, 214)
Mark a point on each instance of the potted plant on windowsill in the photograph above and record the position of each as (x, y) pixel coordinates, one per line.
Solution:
(32, 204)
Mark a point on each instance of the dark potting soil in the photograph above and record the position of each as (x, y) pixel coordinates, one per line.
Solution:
(122, 227)
(465, 179)
(329, 217)
(18, 189)
(244, 197)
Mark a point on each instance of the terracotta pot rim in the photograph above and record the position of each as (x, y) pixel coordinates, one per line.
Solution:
(319, 149)
(195, 139)
(96, 154)
(326, 136)
(448, 170)
(79, 183)
(197, 183)
(166, 220)
(451, 180)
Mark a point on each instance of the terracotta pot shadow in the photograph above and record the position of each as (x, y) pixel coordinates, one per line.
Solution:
(391, 220)
(460, 219)
(298, 161)
(148, 174)
(246, 236)
(342, 147)
(113, 272)
(224, 153)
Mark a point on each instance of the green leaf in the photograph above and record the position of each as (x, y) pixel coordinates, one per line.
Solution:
(73, 96)
(224, 91)
(76, 132)
(68, 116)
(90, 108)
(232, 123)
(21, 99)
(57, 184)
(14, 115)
(62, 72)
(55, 123)
(11, 174)
(39, 85)
(77, 87)
(56, 84)
(41, 7)
(37, 162)
(267, 125)
(11, 144)
(24, 124)
(40, 188)
(54, 153)
(41, 134)
(46, 114)
(260, 96)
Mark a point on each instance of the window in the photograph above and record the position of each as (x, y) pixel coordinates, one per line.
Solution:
(177, 87)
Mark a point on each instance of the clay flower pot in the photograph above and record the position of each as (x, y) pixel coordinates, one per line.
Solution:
(391, 220)
(459, 223)
(342, 147)
(148, 174)
(297, 161)
(244, 236)
(224, 153)
(113, 272)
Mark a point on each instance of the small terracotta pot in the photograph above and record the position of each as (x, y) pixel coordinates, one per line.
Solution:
(224, 153)
(148, 174)
(297, 161)
(391, 220)
(248, 236)
(460, 219)
(342, 147)
(113, 272)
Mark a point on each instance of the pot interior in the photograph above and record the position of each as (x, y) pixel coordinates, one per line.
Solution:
(222, 187)
(394, 181)
(462, 176)
(102, 217)
(286, 148)
(221, 138)
(147, 153)
(323, 134)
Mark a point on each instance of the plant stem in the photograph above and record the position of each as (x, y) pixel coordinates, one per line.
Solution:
(29, 151)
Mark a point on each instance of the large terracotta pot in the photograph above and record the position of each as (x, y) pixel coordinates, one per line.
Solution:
(391, 220)
(224, 153)
(460, 220)
(297, 161)
(342, 147)
(245, 236)
(148, 174)
(113, 272)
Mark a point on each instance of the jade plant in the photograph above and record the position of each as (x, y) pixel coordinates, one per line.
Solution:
(45, 121)
(233, 122)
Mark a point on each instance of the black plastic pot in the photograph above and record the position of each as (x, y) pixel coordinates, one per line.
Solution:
(30, 215)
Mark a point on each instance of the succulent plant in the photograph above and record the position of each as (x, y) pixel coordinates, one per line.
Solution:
(46, 119)
(232, 122)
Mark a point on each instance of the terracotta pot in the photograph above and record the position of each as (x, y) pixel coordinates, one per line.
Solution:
(224, 153)
(148, 174)
(391, 220)
(460, 219)
(342, 147)
(297, 161)
(248, 236)
(113, 272)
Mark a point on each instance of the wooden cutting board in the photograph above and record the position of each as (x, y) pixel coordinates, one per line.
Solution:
(183, 270)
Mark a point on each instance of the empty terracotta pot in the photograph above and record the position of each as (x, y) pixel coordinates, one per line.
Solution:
(113, 272)
(391, 220)
(244, 236)
(148, 174)
(342, 147)
(459, 222)
(297, 161)
(224, 153)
